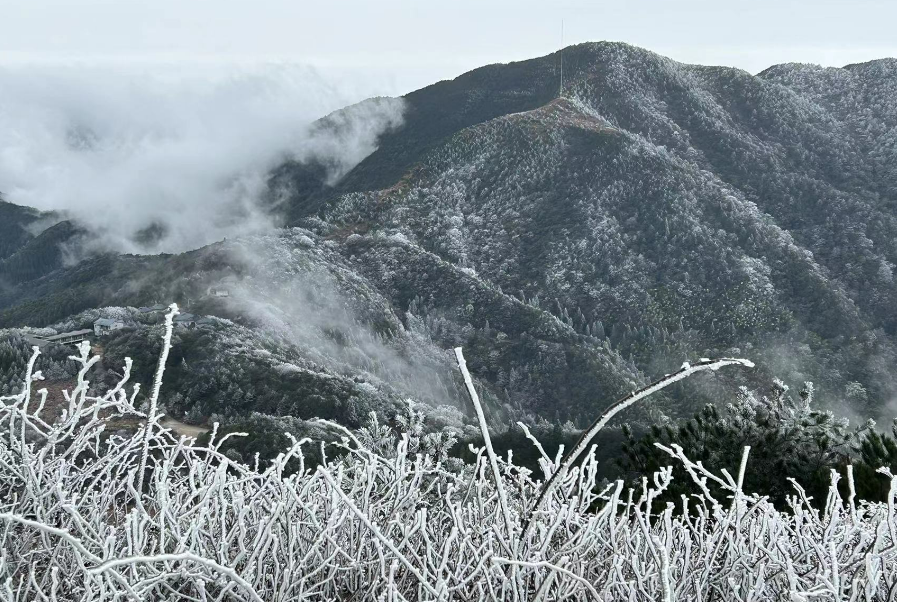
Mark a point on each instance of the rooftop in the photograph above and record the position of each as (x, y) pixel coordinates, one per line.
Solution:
(149, 309)
(66, 335)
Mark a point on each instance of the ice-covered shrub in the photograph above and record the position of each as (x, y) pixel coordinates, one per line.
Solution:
(85, 515)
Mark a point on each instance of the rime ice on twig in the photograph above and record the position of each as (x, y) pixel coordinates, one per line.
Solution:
(77, 522)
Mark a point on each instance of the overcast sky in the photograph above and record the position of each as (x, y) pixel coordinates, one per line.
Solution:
(170, 113)
(393, 46)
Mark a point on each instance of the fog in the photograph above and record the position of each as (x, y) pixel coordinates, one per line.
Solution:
(295, 288)
(164, 157)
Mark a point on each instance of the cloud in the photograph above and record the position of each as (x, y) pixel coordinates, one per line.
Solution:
(167, 158)
(351, 135)
(295, 288)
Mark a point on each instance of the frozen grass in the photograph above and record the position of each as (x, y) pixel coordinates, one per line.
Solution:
(77, 522)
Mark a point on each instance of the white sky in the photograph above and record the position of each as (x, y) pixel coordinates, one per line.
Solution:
(394, 46)
(135, 112)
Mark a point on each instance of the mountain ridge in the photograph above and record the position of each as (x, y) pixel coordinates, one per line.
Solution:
(576, 246)
(772, 144)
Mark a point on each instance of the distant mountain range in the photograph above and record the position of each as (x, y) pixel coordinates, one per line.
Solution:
(575, 242)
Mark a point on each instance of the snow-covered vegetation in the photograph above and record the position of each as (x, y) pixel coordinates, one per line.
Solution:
(85, 515)
(666, 209)
(655, 212)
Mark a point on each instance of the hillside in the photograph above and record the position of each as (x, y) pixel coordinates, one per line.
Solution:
(574, 245)
(666, 207)
(296, 307)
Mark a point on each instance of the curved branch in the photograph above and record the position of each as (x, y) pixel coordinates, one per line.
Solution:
(582, 444)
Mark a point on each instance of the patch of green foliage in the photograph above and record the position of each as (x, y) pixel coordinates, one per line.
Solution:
(788, 440)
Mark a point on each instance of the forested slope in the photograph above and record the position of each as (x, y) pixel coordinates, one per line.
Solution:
(575, 244)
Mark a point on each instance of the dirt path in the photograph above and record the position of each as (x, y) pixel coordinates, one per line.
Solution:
(182, 428)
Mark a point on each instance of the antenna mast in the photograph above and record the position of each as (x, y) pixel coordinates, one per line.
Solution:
(561, 89)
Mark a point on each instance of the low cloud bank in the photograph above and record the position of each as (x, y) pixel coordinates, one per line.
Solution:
(166, 159)
(295, 289)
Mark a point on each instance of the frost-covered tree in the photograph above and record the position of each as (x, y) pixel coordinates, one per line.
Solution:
(789, 439)
(876, 450)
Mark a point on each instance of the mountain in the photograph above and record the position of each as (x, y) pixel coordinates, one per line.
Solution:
(14, 221)
(655, 203)
(574, 243)
(32, 243)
